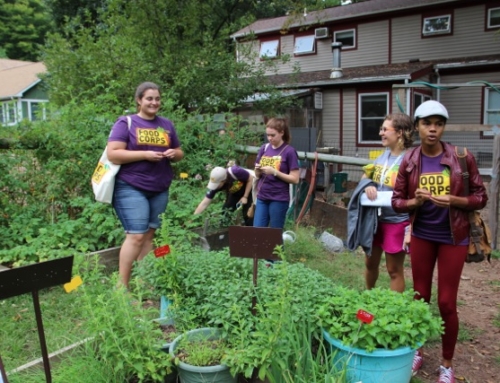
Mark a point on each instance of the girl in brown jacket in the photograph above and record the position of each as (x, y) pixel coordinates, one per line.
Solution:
(429, 186)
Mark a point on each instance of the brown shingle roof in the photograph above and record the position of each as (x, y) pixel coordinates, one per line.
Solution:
(344, 12)
(18, 76)
(366, 74)
(375, 73)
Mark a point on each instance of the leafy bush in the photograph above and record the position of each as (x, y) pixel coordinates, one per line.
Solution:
(47, 205)
(36, 240)
(126, 337)
(212, 289)
(399, 320)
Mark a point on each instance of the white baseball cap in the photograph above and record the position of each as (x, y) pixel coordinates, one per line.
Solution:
(431, 108)
(217, 175)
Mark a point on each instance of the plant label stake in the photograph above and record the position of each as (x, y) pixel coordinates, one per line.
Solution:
(364, 317)
(254, 242)
(73, 284)
(162, 251)
(31, 279)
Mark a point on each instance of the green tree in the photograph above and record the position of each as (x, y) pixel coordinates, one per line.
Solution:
(178, 44)
(64, 11)
(23, 27)
(182, 45)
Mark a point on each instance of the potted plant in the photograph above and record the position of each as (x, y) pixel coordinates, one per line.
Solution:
(374, 333)
(198, 356)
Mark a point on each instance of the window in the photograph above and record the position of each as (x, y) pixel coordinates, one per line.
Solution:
(491, 109)
(304, 45)
(8, 113)
(493, 18)
(373, 107)
(35, 109)
(436, 25)
(419, 98)
(269, 49)
(346, 37)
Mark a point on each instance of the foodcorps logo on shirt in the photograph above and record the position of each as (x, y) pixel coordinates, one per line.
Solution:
(158, 137)
(436, 183)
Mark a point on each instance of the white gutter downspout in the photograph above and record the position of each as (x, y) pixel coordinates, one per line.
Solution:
(438, 91)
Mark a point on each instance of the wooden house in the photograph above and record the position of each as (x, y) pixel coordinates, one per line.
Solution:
(21, 93)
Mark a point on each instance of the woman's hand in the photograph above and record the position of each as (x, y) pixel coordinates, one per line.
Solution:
(269, 170)
(441, 200)
(170, 154)
(371, 193)
(153, 156)
(422, 195)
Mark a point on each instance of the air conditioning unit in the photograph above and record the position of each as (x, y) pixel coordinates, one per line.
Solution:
(321, 33)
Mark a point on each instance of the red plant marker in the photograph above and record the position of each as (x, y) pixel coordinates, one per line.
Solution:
(162, 251)
(364, 316)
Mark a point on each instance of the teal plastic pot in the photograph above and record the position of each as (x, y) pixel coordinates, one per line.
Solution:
(165, 310)
(381, 365)
(196, 374)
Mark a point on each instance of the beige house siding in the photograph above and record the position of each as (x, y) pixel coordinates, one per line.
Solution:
(331, 118)
(465, 104)
(373, 46)
(468, 38)
(349, 121)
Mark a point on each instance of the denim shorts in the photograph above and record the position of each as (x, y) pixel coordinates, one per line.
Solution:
(138, 210)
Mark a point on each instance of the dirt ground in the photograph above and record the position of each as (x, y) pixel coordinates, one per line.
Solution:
(477, 359)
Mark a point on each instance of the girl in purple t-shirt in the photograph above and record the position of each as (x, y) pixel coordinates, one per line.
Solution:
(430, 187)
(276, 167)
(144, 148)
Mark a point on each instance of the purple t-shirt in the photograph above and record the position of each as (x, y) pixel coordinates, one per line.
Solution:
(157, 135)
(432, 222)
(232, 185)
(283, 159)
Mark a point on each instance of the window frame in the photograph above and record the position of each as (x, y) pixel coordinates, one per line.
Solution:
(360, 119)
(267, 41)
(40, 105)
(440, 32)
(305, 52)
(425, 97)
(354, 38)
(487, 110)
(9, 113)
(488, 25)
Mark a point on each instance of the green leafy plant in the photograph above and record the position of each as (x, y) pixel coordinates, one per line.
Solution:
(216, 290)
(80, 366)
(399, 320)
(126, 335)
(201, 349)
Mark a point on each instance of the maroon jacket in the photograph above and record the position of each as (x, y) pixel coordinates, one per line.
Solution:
(407, 183)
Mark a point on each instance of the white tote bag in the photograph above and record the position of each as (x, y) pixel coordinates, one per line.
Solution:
(103, 179)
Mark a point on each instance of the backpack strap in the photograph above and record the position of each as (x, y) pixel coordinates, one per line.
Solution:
(461, 153)
(231, 173)
(475, 231)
